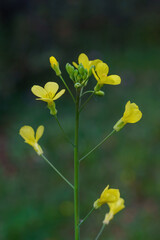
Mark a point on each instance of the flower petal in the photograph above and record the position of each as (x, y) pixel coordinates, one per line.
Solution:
(94, 62)
(58, 95)
(75, 64)
(102, 69)
(132, 113)
(39, 132)
(84, 60)
(117, 206)
(38, 91)
(51, 87)
(112, 80)
(48, 100)
(95, 75)
(27, 133)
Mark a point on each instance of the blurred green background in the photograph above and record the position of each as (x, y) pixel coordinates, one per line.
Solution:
(35, 204)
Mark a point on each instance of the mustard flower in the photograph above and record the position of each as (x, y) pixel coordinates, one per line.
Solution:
(107, 196)
(55, 65)
(28, 134)
(48, 94)
(100, 73)
(87, 64)
(132, 114)
(115, 207)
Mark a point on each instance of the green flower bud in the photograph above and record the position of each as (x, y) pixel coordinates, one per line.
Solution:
(69, 69)
(81, 69)
(78, 78)
(75, 73)
(77, 85)
(99, 93)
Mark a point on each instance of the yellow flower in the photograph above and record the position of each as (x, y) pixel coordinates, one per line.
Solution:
(28, 134)
(115, 207)
(107, 196)
(132, 114)
(55, 65)
(83, 59)
(48, 94)
(100, 73)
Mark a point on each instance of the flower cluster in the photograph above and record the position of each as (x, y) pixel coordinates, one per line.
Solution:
(80, 73)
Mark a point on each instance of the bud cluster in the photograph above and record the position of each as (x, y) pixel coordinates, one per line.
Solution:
(79, 76)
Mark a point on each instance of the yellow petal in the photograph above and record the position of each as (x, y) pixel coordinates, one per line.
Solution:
(48, 100)
(75, 64)
(102, 69)
(38, 91)
(109, 195)
(84, 60)
(58, 95)
(39, 132)
(132, 113)
(94, 62)
(112, 80)
(109, 216)
(134, 116)
(117, 206)
(95, 75)
(51, 87)
(53, 61)
(27, 133)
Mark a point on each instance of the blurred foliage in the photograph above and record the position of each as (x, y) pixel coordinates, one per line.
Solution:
(35, 203)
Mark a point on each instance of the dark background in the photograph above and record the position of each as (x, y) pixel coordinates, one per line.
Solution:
(35, 204)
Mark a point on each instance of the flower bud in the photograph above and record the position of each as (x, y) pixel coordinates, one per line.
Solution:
(99, 93)
(81, 69)
(69, 69)
(75, 73)
(77, 85)
(55, 65)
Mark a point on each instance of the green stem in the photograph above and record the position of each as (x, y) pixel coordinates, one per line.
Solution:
(76, 169)
(66, 137)
(87, 92)
(100, 232)
(99, 144)
(56, 170)
(84, 219)
(67, 88)
(88, 99)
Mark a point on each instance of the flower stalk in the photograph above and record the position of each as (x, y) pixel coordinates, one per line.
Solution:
(56, 170)
(76, 168)
(98, 145)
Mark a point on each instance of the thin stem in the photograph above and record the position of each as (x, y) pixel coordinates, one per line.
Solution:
(56, 170)
(67, 88)
(100, 232)
(87, 92)
(84, 219)
(88, 99)
(99, 144)
(66, 137)
(76, 169)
